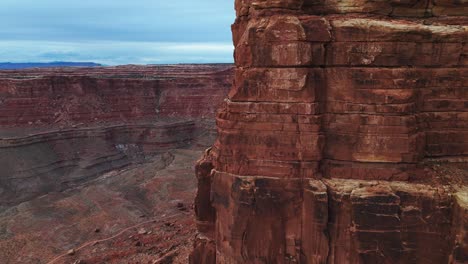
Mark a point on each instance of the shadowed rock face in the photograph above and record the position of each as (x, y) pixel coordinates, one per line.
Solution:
(328, 137)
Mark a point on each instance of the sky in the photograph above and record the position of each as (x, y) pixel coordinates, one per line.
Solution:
(114, 32)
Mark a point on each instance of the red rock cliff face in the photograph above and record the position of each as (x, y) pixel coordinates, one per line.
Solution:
(62, 127)
(61, 96)
(335, 110)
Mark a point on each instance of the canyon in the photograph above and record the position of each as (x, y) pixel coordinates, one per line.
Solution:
(344, 137)
(97, 164)
(339, 136)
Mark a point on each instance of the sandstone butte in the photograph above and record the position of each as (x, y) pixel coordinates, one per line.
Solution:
(325, 145)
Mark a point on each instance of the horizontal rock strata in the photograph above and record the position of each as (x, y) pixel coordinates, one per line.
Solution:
(57, 160)
(62, 127)
(336, 107)
(64, 96)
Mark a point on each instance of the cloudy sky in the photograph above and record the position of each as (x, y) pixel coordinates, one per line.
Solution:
(116, 31)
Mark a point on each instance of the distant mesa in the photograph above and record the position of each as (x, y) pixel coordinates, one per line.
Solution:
(25, 65)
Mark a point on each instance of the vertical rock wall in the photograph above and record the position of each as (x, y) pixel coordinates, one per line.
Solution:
(335, 107)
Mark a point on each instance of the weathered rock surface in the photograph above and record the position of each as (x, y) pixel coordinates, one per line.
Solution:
(62, 127)
(111, 94)
(96, 164)
(121, 204)
(58, 160)
(325, 143)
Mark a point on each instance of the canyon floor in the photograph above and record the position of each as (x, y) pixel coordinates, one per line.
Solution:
(140, 214)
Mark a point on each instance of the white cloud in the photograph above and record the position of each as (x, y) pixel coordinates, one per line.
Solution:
(203, 47)
(115, 52)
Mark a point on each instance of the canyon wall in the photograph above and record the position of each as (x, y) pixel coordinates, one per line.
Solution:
(327, 142)
(112, 94)
(63, 127)
(56, 160)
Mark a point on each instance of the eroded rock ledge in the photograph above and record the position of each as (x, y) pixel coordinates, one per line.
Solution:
(324, 142)
(52, 161)
(61, 127)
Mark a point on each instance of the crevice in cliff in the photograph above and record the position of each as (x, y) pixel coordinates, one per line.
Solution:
(326, 45)
(460, 62)
(158, 97)
(329, 223)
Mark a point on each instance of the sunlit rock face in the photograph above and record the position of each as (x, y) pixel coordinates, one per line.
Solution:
(328, 138)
